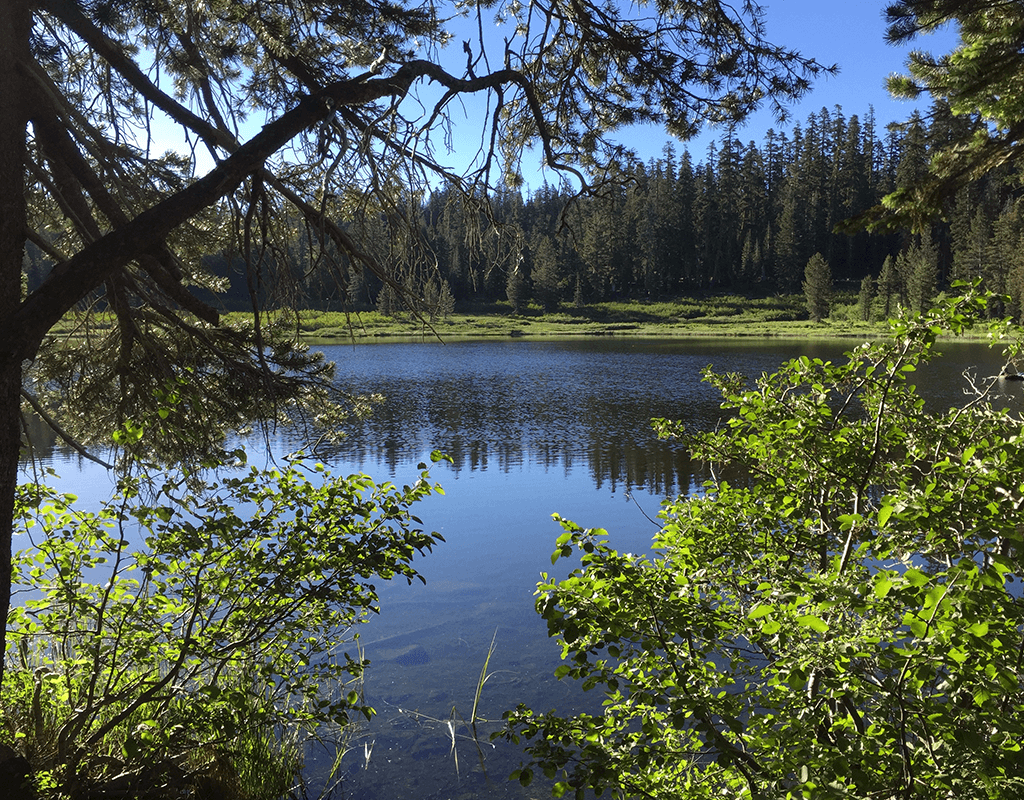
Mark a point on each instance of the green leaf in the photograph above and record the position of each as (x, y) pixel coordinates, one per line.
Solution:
(883, 515)
(813, 622)
(761, 610)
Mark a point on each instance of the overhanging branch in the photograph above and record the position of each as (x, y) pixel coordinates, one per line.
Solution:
(55, 426)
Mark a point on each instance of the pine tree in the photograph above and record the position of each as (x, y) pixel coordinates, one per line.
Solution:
(548, 282)
(729, 193)
(791, 242)
(517, 289)
(445, 301)
(970, 253)
(706, 221)
(1004, 259)
(754, 206)
(864, 298)
(921, 273)
(818, 287)
(981, 78)
(851, 182)
(912, 167)
(890, 290)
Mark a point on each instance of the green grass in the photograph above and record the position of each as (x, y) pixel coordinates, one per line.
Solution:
(706, 316)
(724, 315)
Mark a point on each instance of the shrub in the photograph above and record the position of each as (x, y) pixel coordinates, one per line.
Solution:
(836, 618)
(177, 634)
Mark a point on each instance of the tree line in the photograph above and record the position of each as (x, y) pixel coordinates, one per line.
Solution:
(744, 219)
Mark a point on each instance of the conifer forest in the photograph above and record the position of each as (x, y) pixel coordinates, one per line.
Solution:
(739, 218)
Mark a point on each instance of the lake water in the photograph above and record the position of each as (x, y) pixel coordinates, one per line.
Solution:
(533, 427)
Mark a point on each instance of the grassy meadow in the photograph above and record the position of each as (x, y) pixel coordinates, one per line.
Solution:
(719, 315)
(706, 316)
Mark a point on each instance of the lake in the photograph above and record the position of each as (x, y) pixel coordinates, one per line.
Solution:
(533, 427)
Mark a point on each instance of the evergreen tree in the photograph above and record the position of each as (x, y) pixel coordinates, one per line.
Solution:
(970, 252)
(754, 207)
(815, 170)
(517, 289)
(548, 281)
(605, 244)
(706, 222)
(981, 77)
(890, 290)
(920, 269)
(792, 240)
(912, 166)
(864, 298)
(445, 301)
(684, 201)
(1015, 270)
(818, 287)
(728, 241)
(1004, 261)
(776, 147)
(851, 188)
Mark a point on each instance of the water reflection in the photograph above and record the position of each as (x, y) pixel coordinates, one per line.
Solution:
(509, 406)
(560, 405)
(554, 404)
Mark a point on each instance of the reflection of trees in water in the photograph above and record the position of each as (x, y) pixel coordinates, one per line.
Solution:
(42, 441)
(579, 407)
(501, 423)
(44, 448)
(660, 469)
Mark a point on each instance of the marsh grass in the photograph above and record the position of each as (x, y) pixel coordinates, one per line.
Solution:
(705, 314)
(708, 315)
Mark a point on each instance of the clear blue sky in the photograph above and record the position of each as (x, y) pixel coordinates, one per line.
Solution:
(849, 33)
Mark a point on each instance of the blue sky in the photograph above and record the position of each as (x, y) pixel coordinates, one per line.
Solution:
(849, 33)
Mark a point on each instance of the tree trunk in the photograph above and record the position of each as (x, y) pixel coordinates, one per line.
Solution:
(15, 24)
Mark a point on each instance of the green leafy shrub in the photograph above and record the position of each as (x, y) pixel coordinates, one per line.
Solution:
(842, 618)
(177, 640)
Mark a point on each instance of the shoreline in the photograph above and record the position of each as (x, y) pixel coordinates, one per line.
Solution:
(723, 317)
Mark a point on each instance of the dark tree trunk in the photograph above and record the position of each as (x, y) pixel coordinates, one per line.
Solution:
(15, 24)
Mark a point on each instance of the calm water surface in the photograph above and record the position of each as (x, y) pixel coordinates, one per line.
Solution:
(533, 428)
